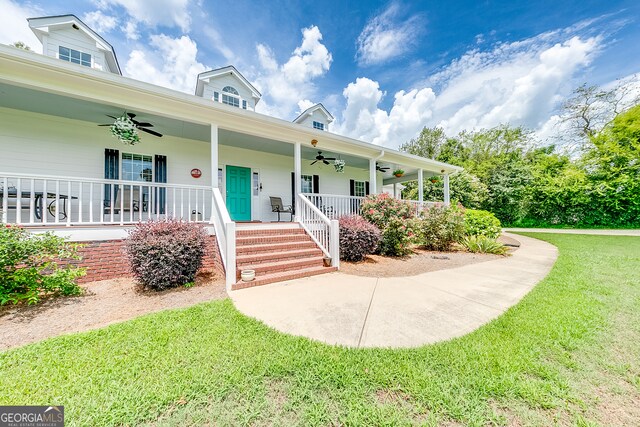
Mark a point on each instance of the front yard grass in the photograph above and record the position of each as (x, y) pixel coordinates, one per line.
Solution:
(568, 353)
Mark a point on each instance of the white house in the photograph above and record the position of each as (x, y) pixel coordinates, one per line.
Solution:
(207, 157)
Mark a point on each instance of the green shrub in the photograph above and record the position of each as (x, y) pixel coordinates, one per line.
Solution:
(379, 209)
(481, 223)
(29, 267)
(358, 238)
(397, 237)
(165, 254)
(483, 244)
(440, 226)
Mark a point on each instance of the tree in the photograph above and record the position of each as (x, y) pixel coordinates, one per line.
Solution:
(591, 108)
(21, 45)
(428, 144)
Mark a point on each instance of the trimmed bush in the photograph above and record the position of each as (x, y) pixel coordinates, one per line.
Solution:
(483, 244)
(358, 238)
(481, 223)
(397, 237)
(440, 226)
(29, 267)
(166, 254)
(379, 209)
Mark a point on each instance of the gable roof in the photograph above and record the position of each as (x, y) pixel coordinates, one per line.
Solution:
(311, 110)
(40, 26)
(230, 69)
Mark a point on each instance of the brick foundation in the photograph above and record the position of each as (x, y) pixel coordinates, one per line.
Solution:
(106, 260)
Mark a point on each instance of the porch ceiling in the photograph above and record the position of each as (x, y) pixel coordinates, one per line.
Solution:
(26, 99)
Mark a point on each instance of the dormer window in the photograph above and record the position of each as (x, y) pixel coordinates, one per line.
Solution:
(318, 125)
(230, 96)
(75, 56)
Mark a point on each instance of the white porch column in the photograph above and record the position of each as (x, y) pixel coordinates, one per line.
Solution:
(420, 187)
(297, 175)
(395, 190)
(372, 177)
(214, 156)
(445, 179)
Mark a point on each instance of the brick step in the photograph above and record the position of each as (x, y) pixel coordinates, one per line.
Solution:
(282, 276)
(268, 231)
(276, 238)
(285, 265)
(262, 257)
(275, 247)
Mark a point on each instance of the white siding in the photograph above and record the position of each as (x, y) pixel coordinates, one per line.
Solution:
(316, 116)
(50, 145)
(74, 39)
(216, 84)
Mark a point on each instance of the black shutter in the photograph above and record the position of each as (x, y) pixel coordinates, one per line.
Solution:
(352, 187)
(316, 184)
(160, 166)
(366, 188)
(293, 192)
(111, 171)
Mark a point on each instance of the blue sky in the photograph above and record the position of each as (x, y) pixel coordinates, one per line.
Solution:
(384, 69)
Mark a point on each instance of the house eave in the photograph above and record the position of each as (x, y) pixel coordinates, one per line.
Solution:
(31, 70)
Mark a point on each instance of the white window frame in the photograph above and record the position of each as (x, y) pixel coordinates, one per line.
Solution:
(359, 188)
(82, 62)
(318, 125)
(306, 180)
(230, 96)
(149, 156)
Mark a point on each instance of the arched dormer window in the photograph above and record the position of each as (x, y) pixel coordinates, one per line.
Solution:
(230, 96)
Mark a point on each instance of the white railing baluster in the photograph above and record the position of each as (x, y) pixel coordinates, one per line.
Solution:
(5, 200)
(80, 200)
(68, 204)
(32, 202)
(19, 202)
(91, 202)
(173, 211)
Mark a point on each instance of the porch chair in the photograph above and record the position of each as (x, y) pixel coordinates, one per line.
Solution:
(277, 206)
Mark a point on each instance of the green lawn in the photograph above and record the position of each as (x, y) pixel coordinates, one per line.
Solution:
(567, 354)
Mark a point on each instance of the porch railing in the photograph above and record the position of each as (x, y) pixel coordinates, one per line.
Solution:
(38, 200)
(418, 206)
(334, 206)
(225, 236)
(323, 230)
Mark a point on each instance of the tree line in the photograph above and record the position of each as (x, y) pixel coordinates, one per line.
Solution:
(588, 177)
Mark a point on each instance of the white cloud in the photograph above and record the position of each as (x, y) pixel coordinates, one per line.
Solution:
(154, 12)
(100, 22)
(292, 81)
(521, 83)
(13, 24)
(385, 37)
(171, 63)
(218, 43)
(304, 104)
(131, 30)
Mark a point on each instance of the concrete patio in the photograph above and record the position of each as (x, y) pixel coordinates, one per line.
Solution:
(399, 312)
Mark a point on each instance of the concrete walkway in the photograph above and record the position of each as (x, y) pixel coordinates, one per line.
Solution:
(399, 312)
(575, 231)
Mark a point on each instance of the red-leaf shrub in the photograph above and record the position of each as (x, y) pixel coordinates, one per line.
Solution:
(166, 254)
(358, 238)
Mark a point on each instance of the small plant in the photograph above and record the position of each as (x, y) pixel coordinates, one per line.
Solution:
(339, 165)
(125, 130)
(29, 267)
(358, 238)
(483, 244)
(397, 237)
(440, 226)
(481, 223)
(166, 254)
(398, 172)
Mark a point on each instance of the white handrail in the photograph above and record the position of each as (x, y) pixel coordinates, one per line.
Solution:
(323, 231)
(225, 236)
(40, 200)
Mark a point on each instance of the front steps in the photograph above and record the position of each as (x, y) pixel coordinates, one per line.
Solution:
(276, 253)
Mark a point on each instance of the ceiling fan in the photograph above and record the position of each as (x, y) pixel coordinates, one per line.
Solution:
(321, 158)
(382, 168)
(140, 125)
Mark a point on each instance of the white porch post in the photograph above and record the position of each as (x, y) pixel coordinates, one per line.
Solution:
(395, 190)
(214, 155)
(445, 179)
(420, 187)
(297, 175)
(372, 177)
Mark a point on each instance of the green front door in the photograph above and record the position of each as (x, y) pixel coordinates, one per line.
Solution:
(239, 193)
